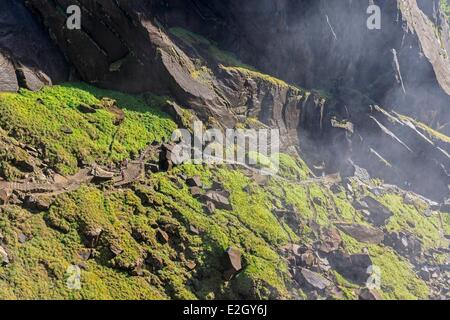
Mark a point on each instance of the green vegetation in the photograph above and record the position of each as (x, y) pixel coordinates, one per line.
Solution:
(411, 218)
(157, 241)
(192, 39)
(41, 261)
(431, 133)
(257, 75)
(227, 60)
(445, 7)
(49, 120)
(398, 279)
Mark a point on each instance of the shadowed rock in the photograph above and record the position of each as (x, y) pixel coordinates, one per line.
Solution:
(362, 233)
(232, 263)
(313, 279)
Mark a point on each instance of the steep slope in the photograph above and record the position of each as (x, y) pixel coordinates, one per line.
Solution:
(28, 58)
(155, 237)
(323, 44)
(86, 187)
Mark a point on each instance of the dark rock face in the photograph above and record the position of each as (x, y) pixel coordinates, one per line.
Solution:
(232, 263)
(379, 214)
(369, 294)
(27, 55)
(8, 79)
(323, 44)
(121, 47)
(353, 267)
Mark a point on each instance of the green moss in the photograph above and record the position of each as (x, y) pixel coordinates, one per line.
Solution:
(195, 40)
(348, 289)
(49, 119)
(40, 264)
(398, 279)
(410, 218)
(246, 227)
(293, 168)
(253, 207)
(429, 132)
(258, 75)
(345, 210)
(445, 7)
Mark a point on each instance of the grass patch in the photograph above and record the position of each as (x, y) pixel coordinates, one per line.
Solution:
(50, 120)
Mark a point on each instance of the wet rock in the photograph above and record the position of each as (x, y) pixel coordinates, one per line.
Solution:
(294, 248)
(379, 213)
(22, 238)
(108, 103)
(155, 261)
(362, 233)
(335, 188)
(25, 165)
(318, 201)
(177, 113)
(151, 168)
(409, 199)
(313, 279)
(194, 230)
(353, 267)
(8, 78)
(116, 250)
(195, 181)
(425, 273)
(33, 80)
(219, 198)
(308, 259)
(445, 207)
(232, 263)
(176, 181)
(85, 254)
(360, 205)
(361, 173)
(369, 294)
(217, 186)
(4, 258)
(190, 265)
(428, 213)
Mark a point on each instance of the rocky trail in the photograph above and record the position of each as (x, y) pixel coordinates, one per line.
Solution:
(93, 174)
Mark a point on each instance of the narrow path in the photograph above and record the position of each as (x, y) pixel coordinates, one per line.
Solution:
(132, 172)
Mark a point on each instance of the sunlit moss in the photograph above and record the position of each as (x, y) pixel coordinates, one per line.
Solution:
(49, 119)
